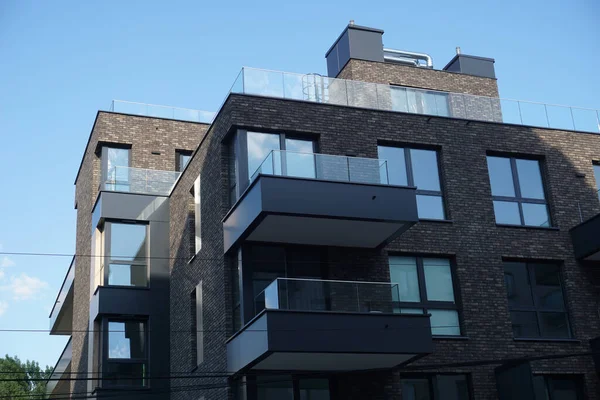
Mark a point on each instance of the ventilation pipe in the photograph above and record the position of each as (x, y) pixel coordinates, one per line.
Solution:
(407, 57)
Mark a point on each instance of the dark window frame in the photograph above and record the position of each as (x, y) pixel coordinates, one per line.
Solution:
(178, 154)
(410, 180)
(530, 266)
(549, 383)
(105, 360)
(430, 377)
(426, 304)
(107, 258)
(519, 199)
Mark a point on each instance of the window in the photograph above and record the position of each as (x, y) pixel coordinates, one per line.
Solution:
(416, 167)
(197, 326)
(126, 355)
(295, 159)
(127, 261)
(556, 387)
(435, 387)
(597, 175)
(182, 157)
(232, 172)
(518, 191)
(115, 168)
(286, 387)
(197, 215)
(425, 285)
(420, 101)
(535, 300)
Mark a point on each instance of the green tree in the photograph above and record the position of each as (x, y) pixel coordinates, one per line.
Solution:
(22, 380)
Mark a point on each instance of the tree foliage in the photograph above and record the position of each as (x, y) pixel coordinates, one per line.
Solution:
(22, 380)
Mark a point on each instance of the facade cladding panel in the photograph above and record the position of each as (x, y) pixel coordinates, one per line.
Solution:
(470, 236)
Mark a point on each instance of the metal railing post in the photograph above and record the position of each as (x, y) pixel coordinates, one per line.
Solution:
(243, 80)
(357, 299)
(283, 83)
(598, 120)
(348, 164)
(547, 119)
(347, 94)
(572, 118)
(520, 114)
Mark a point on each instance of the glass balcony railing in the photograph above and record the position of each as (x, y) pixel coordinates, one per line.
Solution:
(153, 110)
(328, 295)
(322, 89)
(323, 166)
(139, 180)
(62, 293)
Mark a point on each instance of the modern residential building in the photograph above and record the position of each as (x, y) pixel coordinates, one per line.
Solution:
(388, 231)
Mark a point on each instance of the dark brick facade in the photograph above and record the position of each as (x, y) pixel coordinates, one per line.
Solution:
(470, 236)
(145, 135)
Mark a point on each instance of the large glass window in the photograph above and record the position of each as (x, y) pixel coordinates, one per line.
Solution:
(426, 285)
(127, 258)
(518, 191)
(419, 101)
(115, 168)
(279, 154)
(558, 387)
(126, 355)
(435, 387)
(535, 300)
(416, 167)
(286, 387)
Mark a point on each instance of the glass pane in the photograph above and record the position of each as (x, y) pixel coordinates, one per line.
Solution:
(565, 388)
(183, 160)
(501, 176)
(518, 287)
(314, 389)
(117, 168)
(125, 374)
(274, 387)
(554, 325)
(536, 214)
(411, 311)
(451, 387)
(127, 275)
(438, 279)
(126, 340)
(444, 322)
(548, 293)
(399, 99)
(430, 207)
(540, 388)
(396, 164)
(128, 242)
(524, 324)
(507, 212)
(403, 271)
(415, 389)
(425, 169)
(597, 175)
(530, 179)
(259, 147)
(300, 161)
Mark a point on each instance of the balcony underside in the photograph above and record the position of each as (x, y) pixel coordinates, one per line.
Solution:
(58, 383)
(586, 240)
(281, 340)
(315, 212)
(61, 318)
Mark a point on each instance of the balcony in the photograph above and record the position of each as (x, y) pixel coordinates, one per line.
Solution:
(321, 89)
(61, 316)
(140, 181)
(166, 112)
(318, 199)
(324, 325)
(586, 239)
(54, 385)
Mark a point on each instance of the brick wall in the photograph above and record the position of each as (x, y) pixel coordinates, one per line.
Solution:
(145, 135)
(470, 236)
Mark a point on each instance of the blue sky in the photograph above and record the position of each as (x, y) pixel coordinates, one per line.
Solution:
(62, 61)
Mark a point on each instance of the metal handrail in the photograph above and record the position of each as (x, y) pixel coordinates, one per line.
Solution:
(145, 106)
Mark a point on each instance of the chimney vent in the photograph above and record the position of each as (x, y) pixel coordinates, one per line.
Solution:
(457, 50)
(351, 22)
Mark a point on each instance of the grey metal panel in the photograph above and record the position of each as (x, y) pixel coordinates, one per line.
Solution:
(249, 345)
(357, 42)
(131, 207)
(515, 382)
(472, 65)
(338, 199)
(246, 211)
(284, 335)
(586, 238)
(121, 301)
(296, 331)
